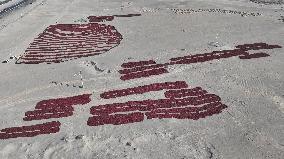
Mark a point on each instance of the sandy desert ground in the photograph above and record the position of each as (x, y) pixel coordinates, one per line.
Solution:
(209, 84)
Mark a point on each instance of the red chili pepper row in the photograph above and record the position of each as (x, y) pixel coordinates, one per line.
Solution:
(116, 119)
(60, 108)
(54, 114)
(207, 56)
(144, 89)
(198, 91)
(68, 101)
(146, 73)
(96, 19)
(142, 68)
(255, 55)
(139, 63)
(100, 18)
(187, 112)
(127, 15)
(257, 46)
(30, 131)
